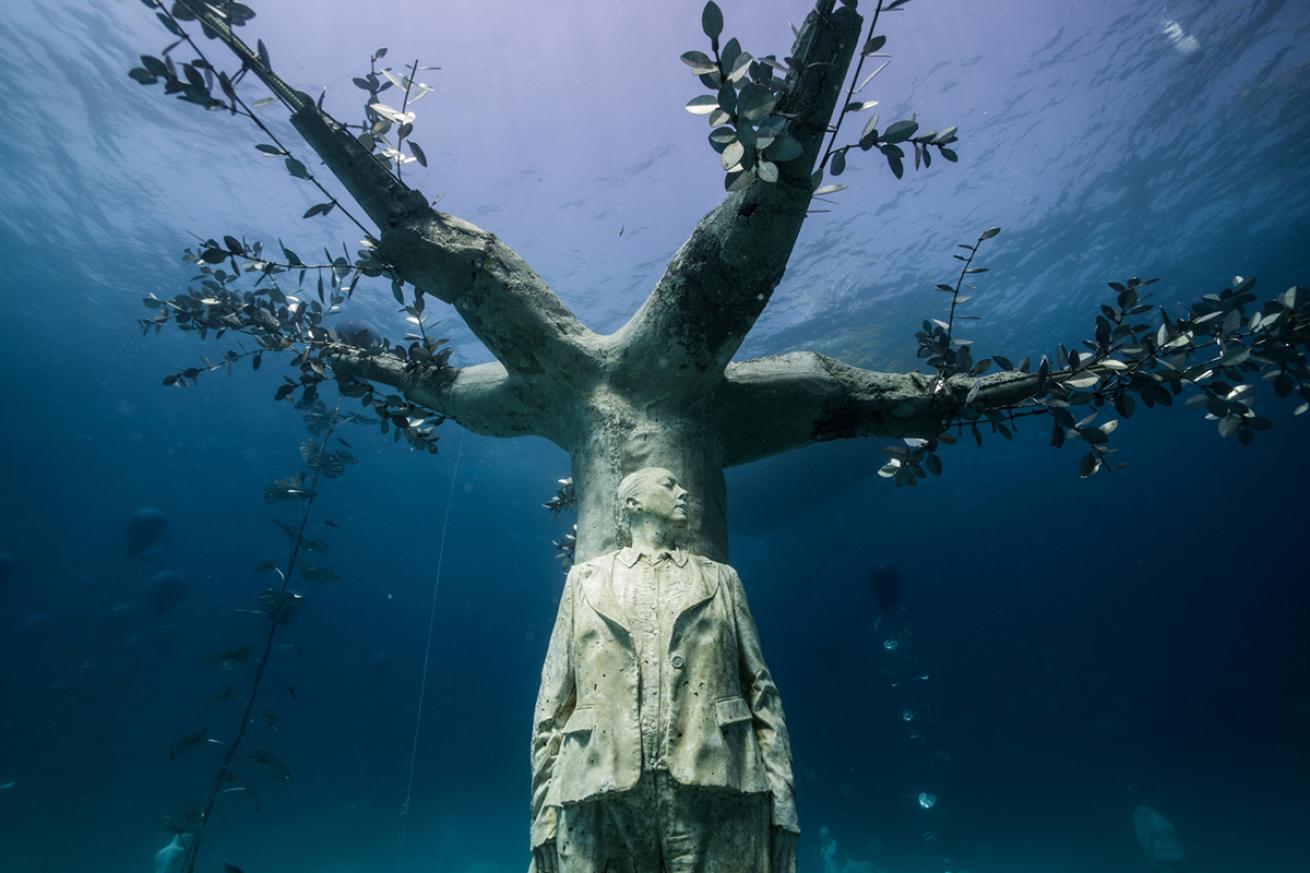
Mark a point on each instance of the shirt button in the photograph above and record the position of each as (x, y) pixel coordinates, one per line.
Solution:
(677, 662)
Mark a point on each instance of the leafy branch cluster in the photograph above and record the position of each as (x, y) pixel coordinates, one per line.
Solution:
(279, 606)
(197, 78)
(564, 499)
(193, 82)
(380, 118)
(749, 136)
(1215, 347)
(752, 138)
(276, 320)
(281, 322)
(889, 142)
(945, 352)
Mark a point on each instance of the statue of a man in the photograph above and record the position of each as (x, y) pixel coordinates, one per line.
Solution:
(658, 744)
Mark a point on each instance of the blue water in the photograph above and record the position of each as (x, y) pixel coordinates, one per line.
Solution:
(1090, 643)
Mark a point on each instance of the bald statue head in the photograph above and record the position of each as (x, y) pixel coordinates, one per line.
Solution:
(652, 507)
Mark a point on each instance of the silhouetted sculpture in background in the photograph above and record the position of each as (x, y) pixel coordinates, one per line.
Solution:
(1155, 834)
(144, 527)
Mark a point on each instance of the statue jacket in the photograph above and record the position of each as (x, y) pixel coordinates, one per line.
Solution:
(723, 722)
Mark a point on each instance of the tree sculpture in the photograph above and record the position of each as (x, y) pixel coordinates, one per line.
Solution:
(664, 390)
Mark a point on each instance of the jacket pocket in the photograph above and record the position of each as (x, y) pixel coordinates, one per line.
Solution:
(582, 720)
(731, 710)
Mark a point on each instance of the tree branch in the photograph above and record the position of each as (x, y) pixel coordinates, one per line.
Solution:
(505, 303)
(370, 182)
(770, 405)
(722, 277)
(484, 398)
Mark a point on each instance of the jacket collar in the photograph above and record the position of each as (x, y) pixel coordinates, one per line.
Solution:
(598, 589)
(629, 556)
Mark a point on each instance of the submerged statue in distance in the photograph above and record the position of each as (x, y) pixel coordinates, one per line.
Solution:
(658, 742)
(1159, 842)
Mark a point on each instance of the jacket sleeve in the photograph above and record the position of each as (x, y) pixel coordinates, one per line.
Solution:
(555, 702)
(766, 706)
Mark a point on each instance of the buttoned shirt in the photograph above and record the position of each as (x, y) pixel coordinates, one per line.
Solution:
(650, 588)
(654, 665)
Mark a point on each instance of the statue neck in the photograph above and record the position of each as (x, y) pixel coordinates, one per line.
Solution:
(652, 537)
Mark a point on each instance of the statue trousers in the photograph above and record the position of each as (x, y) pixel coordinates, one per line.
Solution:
(660, 826)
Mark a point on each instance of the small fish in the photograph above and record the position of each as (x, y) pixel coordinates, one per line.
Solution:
(187, 742)
(621, 229)
(229, 867)
(5, 786)
(291, 690)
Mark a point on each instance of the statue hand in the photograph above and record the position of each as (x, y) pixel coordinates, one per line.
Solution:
(782, 850)
(546, 857)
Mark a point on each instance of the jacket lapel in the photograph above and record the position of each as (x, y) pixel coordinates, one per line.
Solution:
(598, 589)
(701, 586)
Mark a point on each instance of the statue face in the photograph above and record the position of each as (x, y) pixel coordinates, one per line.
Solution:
(660, 496)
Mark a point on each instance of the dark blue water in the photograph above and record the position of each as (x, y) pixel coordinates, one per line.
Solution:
(1090, 643)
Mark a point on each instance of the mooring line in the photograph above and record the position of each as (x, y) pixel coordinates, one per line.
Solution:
(427, 655)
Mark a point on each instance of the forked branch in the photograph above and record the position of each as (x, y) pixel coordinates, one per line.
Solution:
(505, 303)
(719, 282)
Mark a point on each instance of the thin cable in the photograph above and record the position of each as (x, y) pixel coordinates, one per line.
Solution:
(427, 652)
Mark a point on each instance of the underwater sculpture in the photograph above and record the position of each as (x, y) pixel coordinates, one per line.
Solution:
(828, 854)
(659, 744)
(1157, 839)
(171, 858)
(144, 527)
(664, 390)
(165, 590)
